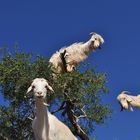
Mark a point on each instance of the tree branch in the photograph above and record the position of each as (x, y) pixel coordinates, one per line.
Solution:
(62, 56)
(74, 121)
(83, 112)
(60, 108)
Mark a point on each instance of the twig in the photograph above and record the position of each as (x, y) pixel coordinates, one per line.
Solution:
(60, 108)
(83, 112)
(30, 118)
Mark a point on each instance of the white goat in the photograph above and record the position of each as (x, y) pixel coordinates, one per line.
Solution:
(74, 54)
(45, 125)
(128, 101)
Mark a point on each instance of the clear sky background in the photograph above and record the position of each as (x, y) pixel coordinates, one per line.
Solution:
(44, 26)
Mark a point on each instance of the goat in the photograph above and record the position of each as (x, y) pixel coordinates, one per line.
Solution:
(45, 125)
(74, 54)
(128, 101)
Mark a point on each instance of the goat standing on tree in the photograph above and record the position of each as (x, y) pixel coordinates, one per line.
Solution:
(45, 125)
(74, 54)
(128, 101)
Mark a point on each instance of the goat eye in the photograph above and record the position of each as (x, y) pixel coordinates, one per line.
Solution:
(46, 87)
(73, 68)
(33, 87)
(66, 55)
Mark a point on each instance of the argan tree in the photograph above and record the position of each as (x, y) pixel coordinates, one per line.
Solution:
(76, 101)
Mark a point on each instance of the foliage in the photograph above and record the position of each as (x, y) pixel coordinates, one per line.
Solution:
(18, 69)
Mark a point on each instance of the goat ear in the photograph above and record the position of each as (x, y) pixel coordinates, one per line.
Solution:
(50, 88)
(29, 90)
(129, 106)
(128, 98)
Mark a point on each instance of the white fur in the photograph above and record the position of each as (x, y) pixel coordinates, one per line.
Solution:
(128, 101)
(75, 53)
(45, 125)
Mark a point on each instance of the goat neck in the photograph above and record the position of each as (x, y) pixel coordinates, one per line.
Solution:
(135, 101)
(41, 119)
(41, 112)
(88, 46)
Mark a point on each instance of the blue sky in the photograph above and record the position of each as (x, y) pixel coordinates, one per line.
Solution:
(42, 27)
